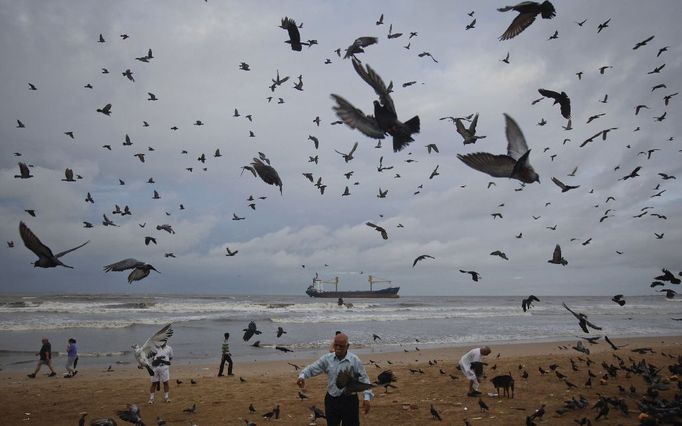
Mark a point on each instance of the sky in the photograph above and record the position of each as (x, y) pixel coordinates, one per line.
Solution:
(197, 48)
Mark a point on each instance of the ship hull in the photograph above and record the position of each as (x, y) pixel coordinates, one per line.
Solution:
(390, 292)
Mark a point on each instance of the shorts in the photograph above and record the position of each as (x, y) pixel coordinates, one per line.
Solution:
(70, 363)
(161, 374)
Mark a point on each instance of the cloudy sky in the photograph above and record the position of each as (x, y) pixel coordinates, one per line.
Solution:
(197, 48)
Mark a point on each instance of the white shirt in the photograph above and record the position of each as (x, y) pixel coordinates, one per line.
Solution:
(473, 355)
(330, 364)
(165, 352)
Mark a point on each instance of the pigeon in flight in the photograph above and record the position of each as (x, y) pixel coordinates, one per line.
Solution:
(144, 353)
(582, 318)
(474, 275)
(250, 331)
(420, 258)
(385, 119)
(469, 134)
(618, 298)
(140, 269)
(563, 186)
(513, 165)
(381, 230)
(527, 303)
(46, 259)
(559, 98)
(358, 45)
(528, 11)
(557, 259)
(294, 36)
(267, 173)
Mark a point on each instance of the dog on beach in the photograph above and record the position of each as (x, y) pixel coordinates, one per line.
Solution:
(505, 382)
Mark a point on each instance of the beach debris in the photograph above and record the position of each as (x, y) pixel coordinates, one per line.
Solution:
(46, 259)
(435, 414)
(190, 410)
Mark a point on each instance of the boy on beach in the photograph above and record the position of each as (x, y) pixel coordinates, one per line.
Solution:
(45, 359)
(161, 365)
(71, 358)
(467, 363)
(227, 356)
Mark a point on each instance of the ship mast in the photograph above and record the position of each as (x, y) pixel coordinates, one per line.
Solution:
(372, 280)
(319, 282)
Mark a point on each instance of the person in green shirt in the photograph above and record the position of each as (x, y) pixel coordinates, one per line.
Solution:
(227, 356)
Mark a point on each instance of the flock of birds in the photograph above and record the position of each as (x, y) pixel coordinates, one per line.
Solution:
(382, 122)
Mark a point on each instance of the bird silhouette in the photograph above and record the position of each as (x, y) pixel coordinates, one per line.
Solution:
(528, 11)
(46, 259)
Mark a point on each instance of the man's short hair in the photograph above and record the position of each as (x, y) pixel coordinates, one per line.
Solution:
(227, 335)
(337, 333)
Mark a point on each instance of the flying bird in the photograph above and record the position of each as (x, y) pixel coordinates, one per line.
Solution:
(267, 173)
(144, 353)
(513, 165)
(358, 45)
(381, 230)
(563, 186)
(557, 259)
(527, 303)
(582, 319)
(140, 269)
(294, 36)
(250, 331)
(559, 98)
(474, 275)
(469, 134)
(618, 298)
(528, 11)
(385, 119)
(46, 259)
(420, 258)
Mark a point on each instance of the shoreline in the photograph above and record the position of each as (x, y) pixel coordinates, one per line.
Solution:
(225, 400)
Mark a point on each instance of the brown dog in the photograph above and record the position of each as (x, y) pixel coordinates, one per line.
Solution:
(505, 382)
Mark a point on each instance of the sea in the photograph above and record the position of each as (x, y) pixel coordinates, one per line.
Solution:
(105, 326)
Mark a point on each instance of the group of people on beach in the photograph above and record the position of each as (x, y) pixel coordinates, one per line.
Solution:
(45, 355)
(340, 407)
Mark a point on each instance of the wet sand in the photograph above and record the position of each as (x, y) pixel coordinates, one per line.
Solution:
(225, 400)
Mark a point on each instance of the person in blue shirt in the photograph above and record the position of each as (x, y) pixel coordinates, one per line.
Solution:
(340, 408)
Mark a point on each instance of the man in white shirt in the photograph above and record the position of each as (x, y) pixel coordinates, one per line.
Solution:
(161, 362)
(339, 408)
(465, 364)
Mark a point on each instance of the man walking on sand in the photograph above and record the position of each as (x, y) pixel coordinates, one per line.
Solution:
(45, 359)
(469, 370)
(340, 408)
(227, 356)
(161, 362)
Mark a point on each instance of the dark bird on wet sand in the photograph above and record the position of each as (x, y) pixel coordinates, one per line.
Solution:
(559, 98)
(420, 258)
(435, 414)
(528, 11)
(385, 119)
(140, 269)
(557, 259)
(381, 230)
(513, 165)
(46, 259)
(474, 275)
(527, 303)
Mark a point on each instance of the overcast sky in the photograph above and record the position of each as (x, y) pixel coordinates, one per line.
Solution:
(197, 48)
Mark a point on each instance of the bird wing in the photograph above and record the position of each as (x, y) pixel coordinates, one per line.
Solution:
(520, 23)
(122, 265)
(374, 80)
(355, 146)
(356, 119)
(556, 256)
(494, 165)
(33, 243)
(566, 107)
(571, 311)
(23, 169)
(472, 127)
(516, 143)
(294, 35)
(460, 128)
(60, 254)
(559, 183)
(365, 41)
(157, 339)
(549, 94)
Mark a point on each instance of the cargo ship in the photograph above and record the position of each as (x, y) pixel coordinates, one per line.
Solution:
(316, 290)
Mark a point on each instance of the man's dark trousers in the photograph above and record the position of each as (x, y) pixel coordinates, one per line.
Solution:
(342, 410)
(226, 357)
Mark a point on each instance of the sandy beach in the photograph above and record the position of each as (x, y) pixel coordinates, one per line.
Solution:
(225, 400)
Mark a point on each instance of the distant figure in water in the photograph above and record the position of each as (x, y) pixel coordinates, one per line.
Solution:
(340, 301)
(472, 368)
